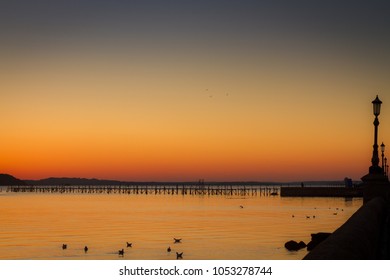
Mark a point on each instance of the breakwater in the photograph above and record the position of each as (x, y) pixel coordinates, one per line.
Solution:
(363, 237)
(320, 192)
(227, 190)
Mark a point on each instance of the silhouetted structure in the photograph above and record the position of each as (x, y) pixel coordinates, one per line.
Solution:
(321, 192)
(376, 183)
(366, 235)
(383, 160)
(375, 169)
(228, 189)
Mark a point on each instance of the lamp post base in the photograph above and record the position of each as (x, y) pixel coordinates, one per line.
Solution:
(375, 184)
(377, 170)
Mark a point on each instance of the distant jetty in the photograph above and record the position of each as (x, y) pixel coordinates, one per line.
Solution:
(321, 192)
(83, 185)
(227, 190)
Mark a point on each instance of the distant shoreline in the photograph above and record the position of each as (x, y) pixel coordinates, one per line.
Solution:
(6, 180)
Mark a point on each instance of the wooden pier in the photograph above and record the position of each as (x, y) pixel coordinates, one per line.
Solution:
(202, 190)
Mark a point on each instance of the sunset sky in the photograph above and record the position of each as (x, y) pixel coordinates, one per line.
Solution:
(183, 90)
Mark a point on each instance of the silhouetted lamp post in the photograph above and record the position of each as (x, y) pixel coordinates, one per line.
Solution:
(375, 157)
(383, 155)
(375, 183)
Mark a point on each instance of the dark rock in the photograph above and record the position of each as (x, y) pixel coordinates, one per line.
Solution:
(317, 238)
(302, 244)
(294, 246)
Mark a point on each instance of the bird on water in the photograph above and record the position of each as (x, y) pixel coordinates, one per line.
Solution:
(85, 249)
(64, 246)
(179, 255)
(129, 244)
(177, 240)
(169, 249)
(121, 252)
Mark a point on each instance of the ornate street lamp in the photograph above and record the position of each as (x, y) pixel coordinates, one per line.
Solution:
(375, 169)
(383, 155)
(376, 183)
(377, 106)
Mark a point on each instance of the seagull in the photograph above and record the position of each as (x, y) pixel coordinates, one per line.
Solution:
(121, 252)
(85, 249)
(179, 255)
(64, 246)
(177, 240)
(241, 206)
(169, 249)
(129, 244)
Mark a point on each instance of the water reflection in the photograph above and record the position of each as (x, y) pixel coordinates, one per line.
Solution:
(34, 226)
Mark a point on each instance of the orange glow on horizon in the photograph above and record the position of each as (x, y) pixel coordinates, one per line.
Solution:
(247, 118)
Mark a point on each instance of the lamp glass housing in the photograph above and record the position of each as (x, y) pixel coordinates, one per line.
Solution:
(377, 106)
(383, 148)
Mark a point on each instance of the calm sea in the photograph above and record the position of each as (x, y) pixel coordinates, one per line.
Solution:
(35, 225)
